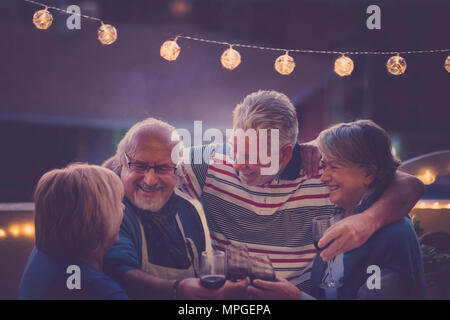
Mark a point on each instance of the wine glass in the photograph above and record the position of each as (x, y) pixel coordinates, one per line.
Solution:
(212, 269)
(261, 268)
(238, 262)
(319, 225)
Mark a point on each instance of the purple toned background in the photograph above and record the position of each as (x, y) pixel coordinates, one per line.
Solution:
(64, 97)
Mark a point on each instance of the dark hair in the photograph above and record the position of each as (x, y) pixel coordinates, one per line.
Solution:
(361, 143)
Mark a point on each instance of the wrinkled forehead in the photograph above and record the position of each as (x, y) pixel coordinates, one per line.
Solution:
(154, 144)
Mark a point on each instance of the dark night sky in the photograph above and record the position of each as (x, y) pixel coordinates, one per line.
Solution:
(65, 97)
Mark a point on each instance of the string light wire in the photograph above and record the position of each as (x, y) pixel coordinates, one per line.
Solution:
(265, 48)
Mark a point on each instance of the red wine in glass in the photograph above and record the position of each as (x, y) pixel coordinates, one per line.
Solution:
(212, 281)
(212, 269)
(236, 274)
(238, 261)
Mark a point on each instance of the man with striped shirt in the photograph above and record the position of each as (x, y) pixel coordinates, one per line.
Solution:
(272, 213)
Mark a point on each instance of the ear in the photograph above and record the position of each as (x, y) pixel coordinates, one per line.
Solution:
(286, 154)
(371, 173)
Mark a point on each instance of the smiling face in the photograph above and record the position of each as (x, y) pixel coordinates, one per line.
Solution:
(150, 190)
(249, 161)
(347, 183)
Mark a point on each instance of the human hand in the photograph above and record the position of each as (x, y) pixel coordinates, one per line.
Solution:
(268, 290)
(310, 157)
(235, 290)
(191, 289)
(345, 235)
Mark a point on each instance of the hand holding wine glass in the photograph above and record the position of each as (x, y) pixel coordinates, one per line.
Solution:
(238, 262)
(319, 225)
(212, 269)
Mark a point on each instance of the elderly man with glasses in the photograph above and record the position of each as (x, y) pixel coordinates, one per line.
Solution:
(162, 232)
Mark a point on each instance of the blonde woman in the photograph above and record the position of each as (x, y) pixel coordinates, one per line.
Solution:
(78, 212)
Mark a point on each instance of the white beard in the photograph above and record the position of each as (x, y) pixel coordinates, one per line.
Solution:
(153, 205)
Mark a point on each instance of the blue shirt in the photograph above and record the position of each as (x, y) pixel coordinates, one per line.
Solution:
(165, 243)
(45, 277)
(394, 247)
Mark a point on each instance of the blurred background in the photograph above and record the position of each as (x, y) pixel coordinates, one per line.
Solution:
(64, 97)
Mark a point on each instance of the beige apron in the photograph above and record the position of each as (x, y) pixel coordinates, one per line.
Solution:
(167, 272)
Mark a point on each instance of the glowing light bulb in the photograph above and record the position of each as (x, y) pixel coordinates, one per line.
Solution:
(170, 50)
(427, 178)
(285, 64)
(2, 233)
(343, 66)
(447, 64)
(230, 58)
(107, 34)
(14, 230)
(28, 230)
(42, 19)
(396, 65)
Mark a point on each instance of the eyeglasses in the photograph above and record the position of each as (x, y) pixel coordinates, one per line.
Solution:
(141, 167)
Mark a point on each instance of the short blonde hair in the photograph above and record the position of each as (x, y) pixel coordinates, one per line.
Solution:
(74, 207)
(360, 143)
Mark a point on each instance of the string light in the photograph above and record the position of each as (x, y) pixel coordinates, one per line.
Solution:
(432, 204)
(14, 230)
(28, 230)
(170, 50)
(285, 64)
(447, 64)
(107, 34)
(396, 65)
(230, 58)
(343, 66)
(427, 177)
(2, 233)
(42, 19)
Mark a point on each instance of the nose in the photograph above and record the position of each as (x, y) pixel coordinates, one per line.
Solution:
(150, 177)
(325, 177)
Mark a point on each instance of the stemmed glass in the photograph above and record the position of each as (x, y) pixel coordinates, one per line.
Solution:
(261, 268)
(213, 269)
(238, 262)
(319, 225)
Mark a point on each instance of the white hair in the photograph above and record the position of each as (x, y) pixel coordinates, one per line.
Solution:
(128, 143)
(268, 110)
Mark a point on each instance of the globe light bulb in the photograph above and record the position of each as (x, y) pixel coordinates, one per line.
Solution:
(230, 58)
(343, 66)
(170, 50)
(427, 178)
(107, 34)
(447, 64)
(396, 65)
(42, 19)
(285, 64)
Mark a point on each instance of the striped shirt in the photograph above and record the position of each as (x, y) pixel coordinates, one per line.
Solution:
(274, 219)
